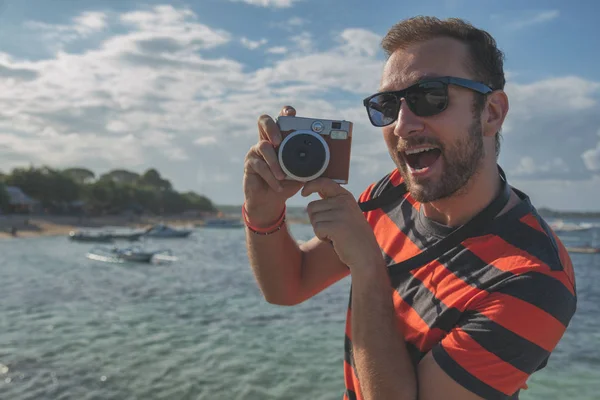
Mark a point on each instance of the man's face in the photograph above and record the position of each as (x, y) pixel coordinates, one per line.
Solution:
(452, 140)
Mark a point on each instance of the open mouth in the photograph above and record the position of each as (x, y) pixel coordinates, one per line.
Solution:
(418, 159)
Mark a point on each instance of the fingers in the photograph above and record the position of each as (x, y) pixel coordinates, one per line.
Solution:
(288, 111)
(267, 152)
(319, 206)
(256, 164)
(268, 129)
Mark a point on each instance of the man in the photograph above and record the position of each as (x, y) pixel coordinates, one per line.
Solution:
(459, 289)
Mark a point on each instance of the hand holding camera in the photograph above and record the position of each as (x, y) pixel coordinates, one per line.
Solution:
(289, 153)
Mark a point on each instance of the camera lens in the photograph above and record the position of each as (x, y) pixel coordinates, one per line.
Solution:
(304, 156)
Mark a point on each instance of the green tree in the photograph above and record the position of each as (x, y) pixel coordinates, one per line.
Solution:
(121, 176)
(80, 175)
(153, 179)
(45, 184)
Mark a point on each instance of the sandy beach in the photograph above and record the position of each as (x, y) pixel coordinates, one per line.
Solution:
(49, 225)
(42, 225)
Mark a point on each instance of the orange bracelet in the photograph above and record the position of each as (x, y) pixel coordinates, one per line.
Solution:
(264, 231)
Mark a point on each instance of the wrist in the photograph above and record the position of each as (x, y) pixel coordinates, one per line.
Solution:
(262, 216)
(264, 230)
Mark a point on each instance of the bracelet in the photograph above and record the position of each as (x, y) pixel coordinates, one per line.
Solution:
(264, 231)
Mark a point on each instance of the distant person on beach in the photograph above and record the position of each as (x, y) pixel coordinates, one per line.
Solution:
(460, 290)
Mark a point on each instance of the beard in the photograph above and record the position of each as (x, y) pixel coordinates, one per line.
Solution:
(460, 161)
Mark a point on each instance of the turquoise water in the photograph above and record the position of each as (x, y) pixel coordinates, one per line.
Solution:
(72, 328)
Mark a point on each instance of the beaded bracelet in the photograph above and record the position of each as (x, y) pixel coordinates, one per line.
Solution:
(264, 231)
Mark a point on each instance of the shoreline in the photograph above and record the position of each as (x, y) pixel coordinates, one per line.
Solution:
(49, 225)
(42, 225)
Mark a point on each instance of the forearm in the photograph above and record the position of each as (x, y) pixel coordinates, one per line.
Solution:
(276, 261)
(383, 365)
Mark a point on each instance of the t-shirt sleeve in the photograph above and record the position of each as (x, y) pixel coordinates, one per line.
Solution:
(509, 334)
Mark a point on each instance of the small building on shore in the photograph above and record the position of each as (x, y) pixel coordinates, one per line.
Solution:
(19, 202)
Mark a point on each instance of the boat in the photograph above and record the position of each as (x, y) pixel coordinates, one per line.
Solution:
(223, 223)
(164, 231)
(561, 226)
(584, 249)
(129, 254)
(131, 236)
(90, 237)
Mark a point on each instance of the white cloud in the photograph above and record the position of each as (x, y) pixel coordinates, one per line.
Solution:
(277, 50)
(528, 166)
(205, 141)
(253, 44)
(360, 42)
(90, 22)
(591, 157)
(152, 95)
(83, 25)
(291, 24)
(534, 19)
(552, 96)
(269, 3)
(303, 41)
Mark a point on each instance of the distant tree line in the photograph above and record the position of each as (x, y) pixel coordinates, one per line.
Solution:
(119, 190)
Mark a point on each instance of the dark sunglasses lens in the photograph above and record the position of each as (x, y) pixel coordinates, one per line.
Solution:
(427, 99)
(383, 109)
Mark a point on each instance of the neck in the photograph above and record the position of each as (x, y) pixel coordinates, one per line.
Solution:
(459, 208)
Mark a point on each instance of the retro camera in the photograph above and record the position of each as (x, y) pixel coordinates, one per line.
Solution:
(312, 148)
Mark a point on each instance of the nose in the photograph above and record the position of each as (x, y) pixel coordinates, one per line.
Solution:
(407, 123)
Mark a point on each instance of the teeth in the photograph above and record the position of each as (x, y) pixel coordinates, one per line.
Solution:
(421, 150)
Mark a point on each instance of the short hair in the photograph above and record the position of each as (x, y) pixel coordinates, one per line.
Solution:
(486, 61)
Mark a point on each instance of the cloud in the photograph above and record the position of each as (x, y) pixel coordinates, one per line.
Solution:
(269, 3)
(535, 19)
(529, 167)
(359, 42)
(153, 92)
(253, 44)
(591, 157)
(82, 26)
(205, 141)
(22, 74)
(303, 41)
(545, 138)
(277, 50)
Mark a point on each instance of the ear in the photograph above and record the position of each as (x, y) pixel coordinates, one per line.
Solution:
(495, 112)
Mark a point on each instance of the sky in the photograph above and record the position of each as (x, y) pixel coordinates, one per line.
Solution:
(179, 86)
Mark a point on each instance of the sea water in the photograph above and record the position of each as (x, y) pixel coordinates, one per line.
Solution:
(198, 328)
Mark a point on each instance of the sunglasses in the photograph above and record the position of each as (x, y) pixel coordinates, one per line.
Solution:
(425, 99)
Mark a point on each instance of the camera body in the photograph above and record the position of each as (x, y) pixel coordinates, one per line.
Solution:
(313, 147)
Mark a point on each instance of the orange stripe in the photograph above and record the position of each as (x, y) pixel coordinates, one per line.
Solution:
(493, 251)
(351, 380)
(524, 319)
(533, 222)
(395, 177)
(565, 258)
(451, 290)
(482, 364)
(391, 239)
(349, 324)
(412, 326)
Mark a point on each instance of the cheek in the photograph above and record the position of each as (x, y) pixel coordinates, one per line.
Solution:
(391, 140)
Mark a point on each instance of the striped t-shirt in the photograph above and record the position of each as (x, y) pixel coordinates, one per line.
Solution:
(491, 309)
